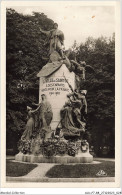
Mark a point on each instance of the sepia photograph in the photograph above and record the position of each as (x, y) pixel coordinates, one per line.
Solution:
(59, 76)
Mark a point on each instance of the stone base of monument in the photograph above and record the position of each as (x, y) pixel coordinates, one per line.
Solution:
(79, 158)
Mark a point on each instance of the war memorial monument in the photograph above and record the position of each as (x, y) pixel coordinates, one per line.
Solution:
(55, 129)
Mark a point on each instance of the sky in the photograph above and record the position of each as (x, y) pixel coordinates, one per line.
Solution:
(77, 22)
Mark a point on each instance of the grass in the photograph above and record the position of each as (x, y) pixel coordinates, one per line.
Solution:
(81, 170)
(16, 169)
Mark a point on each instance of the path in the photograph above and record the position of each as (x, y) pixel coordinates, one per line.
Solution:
(40, 170)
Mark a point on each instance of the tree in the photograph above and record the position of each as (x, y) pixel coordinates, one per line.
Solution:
(100, 54)
(24, 58)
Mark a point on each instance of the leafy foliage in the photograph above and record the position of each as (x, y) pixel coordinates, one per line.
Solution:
(100, 54)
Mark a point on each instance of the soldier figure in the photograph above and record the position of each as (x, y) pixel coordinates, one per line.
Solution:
(56, 38)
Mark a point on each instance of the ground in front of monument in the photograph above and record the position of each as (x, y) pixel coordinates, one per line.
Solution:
(100, 170)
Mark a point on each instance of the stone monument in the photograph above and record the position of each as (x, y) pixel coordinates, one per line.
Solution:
(55, 129)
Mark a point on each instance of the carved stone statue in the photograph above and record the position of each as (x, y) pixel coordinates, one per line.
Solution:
(29, 126)
(77, 106)
(80, 96)
(56, 39)
(45, 114)
(67, 122)
(72, 124)
(79, 69)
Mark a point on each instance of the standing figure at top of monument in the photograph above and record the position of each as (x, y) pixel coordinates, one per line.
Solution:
(56, 38)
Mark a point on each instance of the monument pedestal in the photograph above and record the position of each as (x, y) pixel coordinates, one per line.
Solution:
(52, 83)
(62, 159)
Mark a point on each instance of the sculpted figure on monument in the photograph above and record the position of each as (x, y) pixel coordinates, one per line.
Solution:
(77, 105)
(56, 39)
(67, 123)
(82, 96)
(79, 95)
(45, 114)
(71, 117)
(79, 68)
(27, 134)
